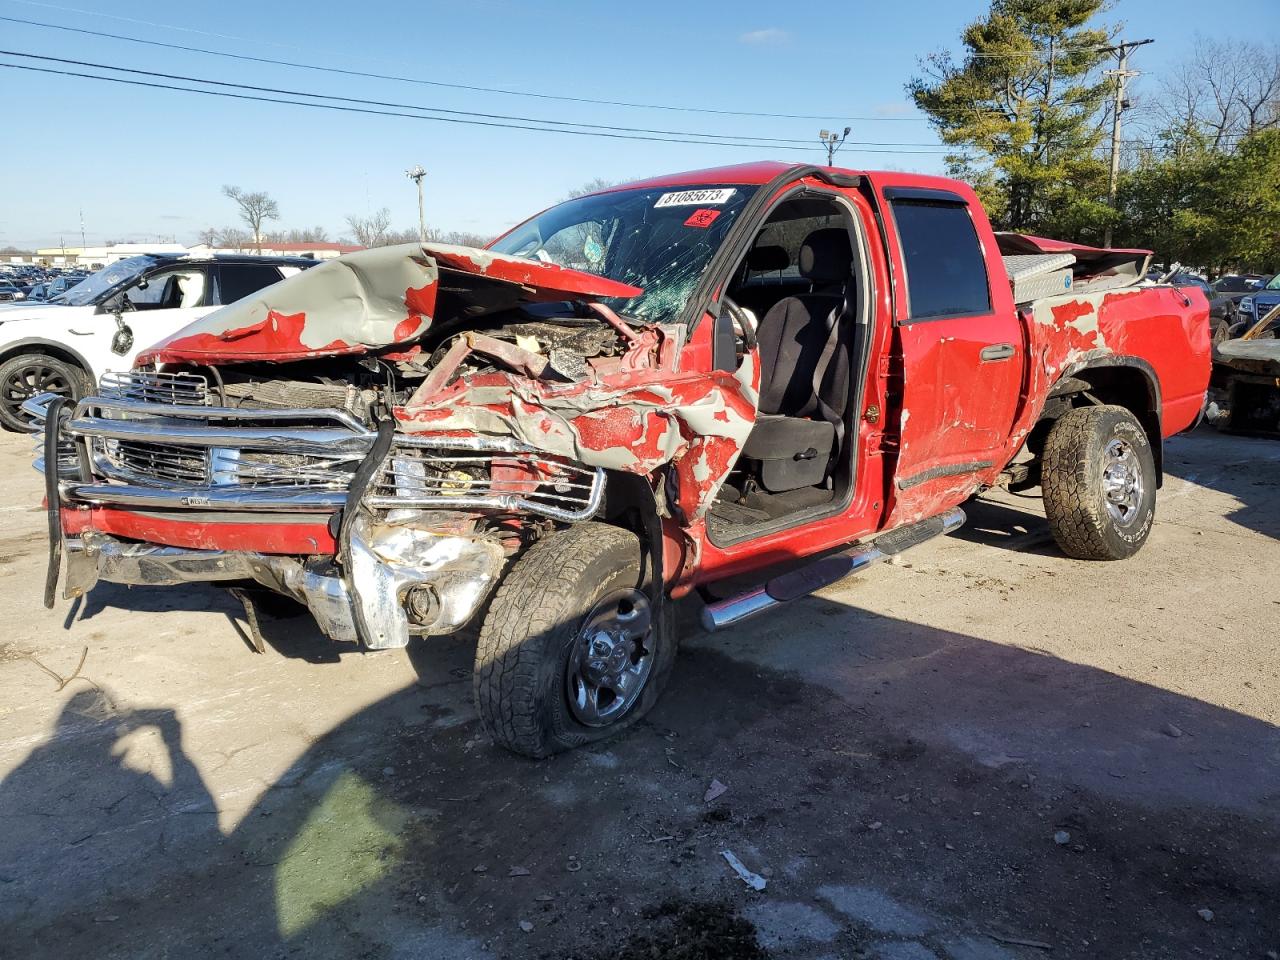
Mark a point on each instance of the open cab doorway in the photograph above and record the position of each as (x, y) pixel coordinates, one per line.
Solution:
(800, 297)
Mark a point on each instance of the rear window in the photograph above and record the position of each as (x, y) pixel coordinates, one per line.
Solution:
(946, 274)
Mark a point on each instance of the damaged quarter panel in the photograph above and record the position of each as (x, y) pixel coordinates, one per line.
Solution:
(1162, 329)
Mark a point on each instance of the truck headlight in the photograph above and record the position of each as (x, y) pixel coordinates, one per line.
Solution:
(1246, 304)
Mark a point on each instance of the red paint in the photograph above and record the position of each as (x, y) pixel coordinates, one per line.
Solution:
(255, 537)
(277, 337)
(551, 281)
(702, 218)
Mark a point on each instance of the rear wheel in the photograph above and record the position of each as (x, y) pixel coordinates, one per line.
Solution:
(573, 648)
(1099, 483)
(31, 374)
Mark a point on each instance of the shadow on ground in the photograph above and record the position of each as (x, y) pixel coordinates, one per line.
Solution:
(900, 821)
(1247, 468)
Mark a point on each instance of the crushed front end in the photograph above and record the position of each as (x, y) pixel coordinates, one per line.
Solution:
(380, 437)
(161, 481)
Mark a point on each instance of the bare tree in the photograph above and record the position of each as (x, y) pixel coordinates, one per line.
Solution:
(255, 208)
(461, 238)
(296, 235)
(1222, 93)
(371, 231)
(226, 238)
(591, 186)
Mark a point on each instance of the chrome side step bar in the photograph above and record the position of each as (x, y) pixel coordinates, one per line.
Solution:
(822, 573)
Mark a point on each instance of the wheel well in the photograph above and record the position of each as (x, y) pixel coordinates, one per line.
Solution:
(629, 503)
(48, 349)
(1121, 385)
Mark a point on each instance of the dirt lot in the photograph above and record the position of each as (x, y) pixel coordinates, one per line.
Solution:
(985, 751)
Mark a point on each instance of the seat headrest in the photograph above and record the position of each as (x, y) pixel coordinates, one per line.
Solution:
(768, 258)
(826, 256)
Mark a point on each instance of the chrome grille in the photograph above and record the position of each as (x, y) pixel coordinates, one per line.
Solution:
(261, 468)
(426, 472)
(185, 389)
(173, 455)
(165, 463)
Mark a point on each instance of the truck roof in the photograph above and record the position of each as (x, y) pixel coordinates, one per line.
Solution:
(762, 171)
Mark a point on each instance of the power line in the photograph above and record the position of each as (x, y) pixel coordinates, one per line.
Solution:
(413, 116)
(412, 106)
(421, 81)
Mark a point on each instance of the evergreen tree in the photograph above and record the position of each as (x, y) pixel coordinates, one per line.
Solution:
(1025, 105)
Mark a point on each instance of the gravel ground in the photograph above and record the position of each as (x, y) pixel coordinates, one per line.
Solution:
(984, 751)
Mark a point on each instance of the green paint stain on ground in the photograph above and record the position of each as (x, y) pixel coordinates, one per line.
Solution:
(347, 843)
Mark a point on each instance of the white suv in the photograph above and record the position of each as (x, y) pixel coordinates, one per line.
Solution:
(65, 344)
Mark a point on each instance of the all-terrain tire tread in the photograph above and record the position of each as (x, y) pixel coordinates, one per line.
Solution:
(1076, 514)
(531, 601)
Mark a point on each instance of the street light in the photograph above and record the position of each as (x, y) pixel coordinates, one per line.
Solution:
(832, 142)
(416, 175)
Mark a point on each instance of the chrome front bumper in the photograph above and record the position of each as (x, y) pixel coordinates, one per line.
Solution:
(369, 603)
(94, 557)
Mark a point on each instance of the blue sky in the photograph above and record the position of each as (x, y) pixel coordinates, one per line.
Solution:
(146, 164)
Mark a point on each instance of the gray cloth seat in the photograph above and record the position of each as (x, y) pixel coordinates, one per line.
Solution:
(804, 370)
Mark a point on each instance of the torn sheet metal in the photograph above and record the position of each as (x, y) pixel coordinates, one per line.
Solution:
(642, 415)
(373, 299)
(1094, 268)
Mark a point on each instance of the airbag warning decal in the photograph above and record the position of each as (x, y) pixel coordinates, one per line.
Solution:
(702, 218)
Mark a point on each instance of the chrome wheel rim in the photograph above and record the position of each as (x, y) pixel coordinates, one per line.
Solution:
(611, 659)
(1122, 484)
(31, 380)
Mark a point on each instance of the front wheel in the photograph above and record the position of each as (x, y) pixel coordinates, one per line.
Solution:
(29, 375)
(1099, 483)
(573, 649)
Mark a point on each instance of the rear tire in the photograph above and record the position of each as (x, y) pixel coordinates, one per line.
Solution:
(1099, 483)
(30, 374)
(572, 650)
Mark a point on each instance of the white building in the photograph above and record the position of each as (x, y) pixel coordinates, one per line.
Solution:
(93, 257)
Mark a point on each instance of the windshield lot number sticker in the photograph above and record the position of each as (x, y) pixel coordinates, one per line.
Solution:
(695, 198)
(702, 218)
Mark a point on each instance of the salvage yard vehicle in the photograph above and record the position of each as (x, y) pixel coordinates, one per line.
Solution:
(666, 386)
(86, 326)
(1244, 389)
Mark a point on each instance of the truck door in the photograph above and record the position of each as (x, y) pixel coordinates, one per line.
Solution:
(960, 344)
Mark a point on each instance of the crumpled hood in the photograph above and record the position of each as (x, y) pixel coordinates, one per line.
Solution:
(371, 300)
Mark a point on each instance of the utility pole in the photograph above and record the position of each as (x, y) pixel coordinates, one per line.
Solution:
(1122, 74)
(832, 142)
(417, 174)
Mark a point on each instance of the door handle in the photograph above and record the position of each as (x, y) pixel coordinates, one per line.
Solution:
(997, 351)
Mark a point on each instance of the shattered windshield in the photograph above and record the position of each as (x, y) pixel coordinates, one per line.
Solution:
(95, 285)
(657, 239)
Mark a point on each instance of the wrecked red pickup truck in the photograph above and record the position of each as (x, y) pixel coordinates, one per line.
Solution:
(631, 395)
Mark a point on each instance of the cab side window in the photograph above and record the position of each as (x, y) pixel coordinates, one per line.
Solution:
(946, 272)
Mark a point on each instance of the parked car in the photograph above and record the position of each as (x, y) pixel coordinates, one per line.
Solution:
(65, 342)
(1227, 292)
(11, 292)
(1255, 305)
(1244, 390)
(673, 384)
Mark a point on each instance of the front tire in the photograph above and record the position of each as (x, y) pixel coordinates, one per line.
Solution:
(31, 374)
(1099, 483)
(573, 648)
